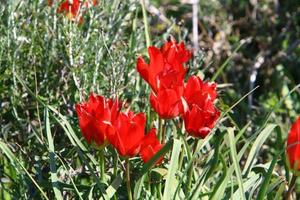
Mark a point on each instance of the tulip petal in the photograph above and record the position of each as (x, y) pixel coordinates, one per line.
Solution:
(150, 146)
(293, 146)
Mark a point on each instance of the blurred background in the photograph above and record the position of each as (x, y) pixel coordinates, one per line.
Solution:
(269, 57)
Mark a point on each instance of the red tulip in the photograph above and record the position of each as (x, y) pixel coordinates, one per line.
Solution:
(175, 53)
(198, 92)
(128, 133)
(50, 2)
(165, 63)
(72, 8)
(150, 146)
(293, 146)
(167, 102)
(200, 120)
(95, 117)
(200, 115)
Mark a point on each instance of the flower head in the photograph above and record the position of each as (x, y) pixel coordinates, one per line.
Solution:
(95, 117)
(166, 68)
(150, 146)
(293, 146)
(129, 130)
(200, 114)
(72, 8)
(167, 103)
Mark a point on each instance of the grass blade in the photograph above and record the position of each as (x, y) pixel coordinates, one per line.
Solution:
(261, 138)
(54, 178)
(171, 182)
(145, 20)
(264, 187)
(221, 69)
(12, 158)
(233, 154)
(111, 190)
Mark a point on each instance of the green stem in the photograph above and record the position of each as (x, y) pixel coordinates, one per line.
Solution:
(102, 165)
(159, 189)
(291, 188)
(115, 170)
(160, 126)
(191, 169)
(128, 179)
(181, 158)
(163, 134)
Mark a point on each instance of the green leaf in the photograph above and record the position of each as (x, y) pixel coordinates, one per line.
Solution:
(267, 178)
(13, 159)
(221, 186)
(138, 187)
(54, 179)
(248, 184)
(261, 138)
(233, 154)
(280, 191)
(111, 190)
(171, 181)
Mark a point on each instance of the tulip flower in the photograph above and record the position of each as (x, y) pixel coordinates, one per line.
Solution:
(200, 114)
(199, 121)
(150, 146)
(165, 63)
(50, 2)
(197, 92)
(72, 8)
(129, 131)
(175, 53)
(95, 117)
(167, 103)
(293, 146)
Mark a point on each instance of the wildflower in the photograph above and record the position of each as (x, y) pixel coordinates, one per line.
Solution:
(167, 103)
(200, 113)
(165, 74)
(72, 8)
(166, 68)
(293, 146)
(150, 146)
(128, 133)
(95, 117)
(50, 2)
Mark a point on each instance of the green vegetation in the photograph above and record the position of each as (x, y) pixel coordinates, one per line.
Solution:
(49, 63)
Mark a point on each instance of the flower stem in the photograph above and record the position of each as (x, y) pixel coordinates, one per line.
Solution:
(128, 179)
(102, 165)
(191, 169)
(291, 188)
(160, 126)
(163, 134)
